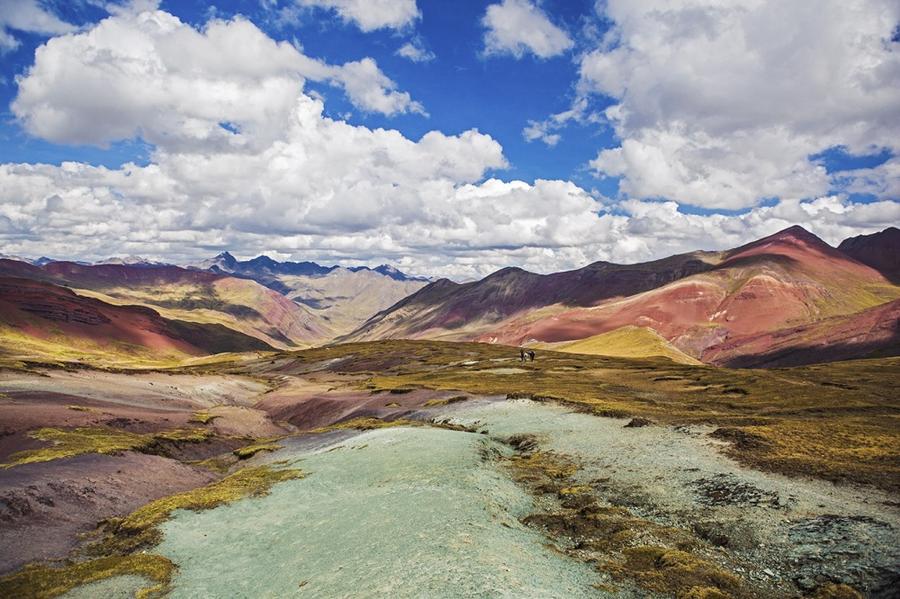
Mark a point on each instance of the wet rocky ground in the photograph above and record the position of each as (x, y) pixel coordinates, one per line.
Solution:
(517, 498)
(790, 535)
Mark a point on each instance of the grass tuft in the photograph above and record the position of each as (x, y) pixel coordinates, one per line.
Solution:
(40, 582)
(244, 453)
(68, 443)
(249, 482)
(677, 572)
(836, 591)
(443, 402)
(203, 417)
(366, 424)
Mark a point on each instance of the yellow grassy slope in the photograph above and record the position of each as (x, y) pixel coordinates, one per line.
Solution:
(625, 342)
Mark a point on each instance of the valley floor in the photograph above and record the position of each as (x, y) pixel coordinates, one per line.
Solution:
(426, 469)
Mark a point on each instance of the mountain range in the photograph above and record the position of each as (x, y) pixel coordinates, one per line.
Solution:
(263, 304)
(786, 299)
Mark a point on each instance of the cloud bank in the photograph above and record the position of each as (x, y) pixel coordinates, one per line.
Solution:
(244, 157)
(721, 105)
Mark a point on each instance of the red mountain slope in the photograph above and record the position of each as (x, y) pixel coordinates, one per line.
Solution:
(445, 308)
(787, 280)
(871, 333)
(52, 315)
(189, 295)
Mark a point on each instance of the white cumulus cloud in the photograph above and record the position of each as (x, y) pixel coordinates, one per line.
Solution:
(148, 74)
(369, 15)
(720, 105)
(28, 16)
(548, 129)
(415, 51)
(519, 26)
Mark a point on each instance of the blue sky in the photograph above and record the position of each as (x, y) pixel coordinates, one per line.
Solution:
(655, 127)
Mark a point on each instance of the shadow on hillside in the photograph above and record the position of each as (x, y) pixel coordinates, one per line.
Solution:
(758, 260)
(803, 355)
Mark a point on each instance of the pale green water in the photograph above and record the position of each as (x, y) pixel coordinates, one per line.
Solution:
(404, 512)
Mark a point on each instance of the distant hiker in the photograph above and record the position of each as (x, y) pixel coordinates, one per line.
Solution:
(530, 353)
(521, 355)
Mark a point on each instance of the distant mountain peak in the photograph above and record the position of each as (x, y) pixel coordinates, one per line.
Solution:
(795, 232)
(879, 250)
(510, 272)
(790, 240)
(131, 261)
(265, 266)
(396, 274)
(890, 233)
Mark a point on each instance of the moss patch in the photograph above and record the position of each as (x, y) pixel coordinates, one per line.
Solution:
(119, 550)
(444, 402)
(546, 472)
(249, 482)
(139, 530)
(219, 464)
(249, 451)
(678, 572)
(836, 591)
(195, 435)
(39, 582)
(612, 537)
(366, 424)
(72, 442)
(68, 443)
(203, 417)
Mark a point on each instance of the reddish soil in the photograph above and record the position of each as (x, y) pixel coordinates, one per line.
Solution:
(873, 332)
(308, 406)
(805, 249)
(24, 411)
(671, 311)
(44, 507)
(510, 291)
(139, 403)
(238, 421)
